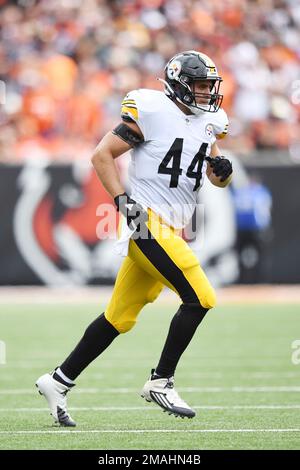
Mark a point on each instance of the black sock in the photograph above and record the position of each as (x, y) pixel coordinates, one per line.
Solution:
(182, 329)
(97, 337)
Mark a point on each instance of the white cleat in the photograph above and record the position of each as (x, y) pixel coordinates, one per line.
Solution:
(55, 394)
(162, 392)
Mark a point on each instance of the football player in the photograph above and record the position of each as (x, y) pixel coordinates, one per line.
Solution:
(173, 137)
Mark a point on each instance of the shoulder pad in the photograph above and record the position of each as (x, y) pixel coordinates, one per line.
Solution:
(129, 109)
(142, 101)
(220, 124)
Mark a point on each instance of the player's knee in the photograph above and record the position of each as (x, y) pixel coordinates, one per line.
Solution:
(206, 296)
(205, 299)
(208, 299)
(122, 325)
(125, 326)
(123, 321)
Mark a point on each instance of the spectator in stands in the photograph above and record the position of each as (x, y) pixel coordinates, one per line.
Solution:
(66, 66)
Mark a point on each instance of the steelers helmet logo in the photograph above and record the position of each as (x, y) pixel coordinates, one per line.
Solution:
(174, 69)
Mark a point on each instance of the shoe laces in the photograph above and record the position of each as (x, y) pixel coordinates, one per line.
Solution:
(170, 383)
(173, 395)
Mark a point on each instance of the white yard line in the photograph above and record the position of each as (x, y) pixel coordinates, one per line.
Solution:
(151, 408)
(142, 431)
(235, 389)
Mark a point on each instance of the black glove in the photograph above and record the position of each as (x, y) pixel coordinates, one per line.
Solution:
(221, 167)
(132, 210)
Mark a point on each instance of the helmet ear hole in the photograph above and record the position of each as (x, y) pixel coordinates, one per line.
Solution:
(186, 79)
(187, 98)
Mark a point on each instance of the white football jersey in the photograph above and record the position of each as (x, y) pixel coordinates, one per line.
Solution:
(168, 168)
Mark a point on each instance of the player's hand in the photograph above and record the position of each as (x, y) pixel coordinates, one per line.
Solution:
(221, 166)
(133, 211)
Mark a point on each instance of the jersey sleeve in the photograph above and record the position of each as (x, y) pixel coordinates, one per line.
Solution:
(221, 124)
(135, 107)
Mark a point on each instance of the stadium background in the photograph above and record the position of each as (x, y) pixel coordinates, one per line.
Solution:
(64, 68)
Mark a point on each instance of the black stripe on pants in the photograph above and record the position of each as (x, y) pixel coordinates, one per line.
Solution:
(164, 264)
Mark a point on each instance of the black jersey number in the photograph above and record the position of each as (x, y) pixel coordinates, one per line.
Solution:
(173, 155)
(171, 164)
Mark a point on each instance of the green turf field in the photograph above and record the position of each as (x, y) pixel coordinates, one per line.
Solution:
(237, 374)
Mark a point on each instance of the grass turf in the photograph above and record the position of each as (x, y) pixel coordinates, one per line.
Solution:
(236, 372)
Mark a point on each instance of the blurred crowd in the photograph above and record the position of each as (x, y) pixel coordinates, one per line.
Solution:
(66, 65)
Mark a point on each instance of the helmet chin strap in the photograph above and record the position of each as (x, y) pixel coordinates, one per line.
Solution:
(197, 111)
(170, 89)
